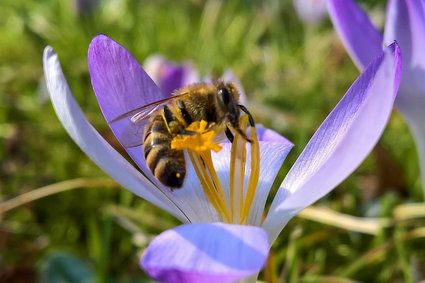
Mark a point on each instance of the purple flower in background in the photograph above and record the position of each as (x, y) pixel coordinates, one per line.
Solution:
(311, 11)
(224, 237)
(405, 23)
(169, 76)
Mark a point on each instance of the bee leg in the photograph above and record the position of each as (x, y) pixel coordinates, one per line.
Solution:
(229, 134)
(168, 115)
(187, 133)
(244, 109)
(172, 124)
(238, 130)
(243, 135)
(185, 114)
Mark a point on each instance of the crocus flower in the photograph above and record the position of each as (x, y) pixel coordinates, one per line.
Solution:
(405, 23)
(222, 202)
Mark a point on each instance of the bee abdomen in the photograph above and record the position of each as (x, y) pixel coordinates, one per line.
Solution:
(166, 164)
(156, 140)
(171, 171)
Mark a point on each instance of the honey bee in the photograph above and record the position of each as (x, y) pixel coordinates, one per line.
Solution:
(160, 121)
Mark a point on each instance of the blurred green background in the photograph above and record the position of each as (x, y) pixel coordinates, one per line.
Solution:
(294, 73)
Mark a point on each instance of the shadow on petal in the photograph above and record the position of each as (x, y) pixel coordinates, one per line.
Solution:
(204, 252)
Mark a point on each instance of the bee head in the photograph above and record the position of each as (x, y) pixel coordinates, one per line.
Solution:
(227, 92)
(228, 96)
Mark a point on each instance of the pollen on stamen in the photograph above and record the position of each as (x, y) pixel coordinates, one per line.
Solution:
(202, 140)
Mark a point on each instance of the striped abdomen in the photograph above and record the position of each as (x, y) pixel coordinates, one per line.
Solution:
(166, 164)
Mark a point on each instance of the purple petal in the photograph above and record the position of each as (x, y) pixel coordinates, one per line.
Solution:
(361, 39)
(406, 24)
(206, 253)
(172, 79)
(170, 76)
(89, 140)
(342, 142)
(119, 82)
(265, 134)
(191, 75)
(178, 76)
(120, 85)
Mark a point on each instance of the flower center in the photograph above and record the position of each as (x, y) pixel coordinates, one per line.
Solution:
(199, 138)
(199, 142)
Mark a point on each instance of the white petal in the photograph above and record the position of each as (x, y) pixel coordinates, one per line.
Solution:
(89, 140)
(272, 156)
(192, 199)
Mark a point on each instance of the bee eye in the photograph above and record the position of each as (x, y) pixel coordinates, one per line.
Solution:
(224, 95)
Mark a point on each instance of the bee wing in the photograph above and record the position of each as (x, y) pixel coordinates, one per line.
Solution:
(130, 134)
(131, 124)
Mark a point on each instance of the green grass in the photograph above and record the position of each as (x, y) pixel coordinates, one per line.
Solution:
(285, 66)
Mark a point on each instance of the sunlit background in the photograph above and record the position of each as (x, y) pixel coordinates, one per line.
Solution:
(85, 228)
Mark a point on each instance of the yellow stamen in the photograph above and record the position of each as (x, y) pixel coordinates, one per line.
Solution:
(210, 183)
(199, 144)
(237, 172)
(254, 176)
(201, 140)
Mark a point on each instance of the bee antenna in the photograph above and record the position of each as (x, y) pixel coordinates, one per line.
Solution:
(244, 109)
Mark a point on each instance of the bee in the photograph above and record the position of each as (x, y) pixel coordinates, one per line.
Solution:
(161, 121)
